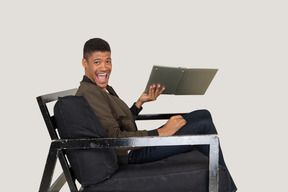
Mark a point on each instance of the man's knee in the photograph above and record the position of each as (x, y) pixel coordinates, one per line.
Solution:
(204, 113)
(197, 115)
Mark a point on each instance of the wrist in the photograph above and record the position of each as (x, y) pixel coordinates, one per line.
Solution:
(162, 131)
(139, 104)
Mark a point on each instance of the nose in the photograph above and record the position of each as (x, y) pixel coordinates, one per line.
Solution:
(103, 66)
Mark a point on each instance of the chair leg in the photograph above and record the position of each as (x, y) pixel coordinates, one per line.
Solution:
(58, 184)
(48, 171)
(214, 165)
(66, 170)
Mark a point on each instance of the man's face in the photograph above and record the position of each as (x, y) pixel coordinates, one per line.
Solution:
(98, 68)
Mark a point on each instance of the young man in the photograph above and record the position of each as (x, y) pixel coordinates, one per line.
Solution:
(119, 120)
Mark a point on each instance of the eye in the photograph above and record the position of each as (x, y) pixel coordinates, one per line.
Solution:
(97, 62)
(108, 62)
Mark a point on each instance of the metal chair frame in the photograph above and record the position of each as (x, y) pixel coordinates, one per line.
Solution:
(59, 146)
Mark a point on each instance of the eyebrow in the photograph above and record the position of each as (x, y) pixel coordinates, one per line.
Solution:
(100, 59)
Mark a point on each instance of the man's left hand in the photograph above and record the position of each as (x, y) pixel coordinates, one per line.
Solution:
(152, 95)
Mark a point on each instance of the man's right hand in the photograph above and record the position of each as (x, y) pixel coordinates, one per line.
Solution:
(172, 126)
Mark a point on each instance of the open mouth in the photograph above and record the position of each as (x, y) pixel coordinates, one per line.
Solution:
(102, 77)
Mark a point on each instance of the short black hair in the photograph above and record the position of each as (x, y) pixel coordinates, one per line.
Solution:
(95, 44)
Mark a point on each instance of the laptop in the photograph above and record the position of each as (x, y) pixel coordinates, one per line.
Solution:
(181, 81)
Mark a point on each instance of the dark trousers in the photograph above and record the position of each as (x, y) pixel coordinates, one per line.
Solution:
(198, 123)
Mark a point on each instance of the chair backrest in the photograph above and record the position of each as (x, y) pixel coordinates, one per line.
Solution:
(73, 119)
(67, 175)
(49, 120)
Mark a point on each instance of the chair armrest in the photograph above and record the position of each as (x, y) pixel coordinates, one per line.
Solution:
(134, 141)
(211, 140)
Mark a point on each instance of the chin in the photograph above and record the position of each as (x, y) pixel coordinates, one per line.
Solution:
(102, 86)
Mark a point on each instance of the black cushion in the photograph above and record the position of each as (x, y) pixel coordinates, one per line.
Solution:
(183, 172)
(75, 119)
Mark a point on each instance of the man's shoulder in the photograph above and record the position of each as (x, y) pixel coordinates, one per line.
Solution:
(94, 95)
(86, 88)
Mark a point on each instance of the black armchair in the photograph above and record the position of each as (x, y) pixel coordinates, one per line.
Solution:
(203, 171)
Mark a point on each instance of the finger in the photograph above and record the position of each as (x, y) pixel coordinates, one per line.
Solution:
(151, 89)
(152, 93)
(157, 89)
(183, 122)
(176, 117)
(161, 91)
(180, 120)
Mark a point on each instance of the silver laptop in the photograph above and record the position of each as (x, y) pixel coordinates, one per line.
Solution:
(181, 81)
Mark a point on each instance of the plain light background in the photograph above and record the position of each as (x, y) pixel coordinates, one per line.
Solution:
(41, 50)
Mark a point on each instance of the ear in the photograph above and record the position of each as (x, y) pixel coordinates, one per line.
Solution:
(84, 63)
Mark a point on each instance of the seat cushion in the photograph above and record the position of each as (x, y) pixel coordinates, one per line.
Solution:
(75, 119)
(183, 172)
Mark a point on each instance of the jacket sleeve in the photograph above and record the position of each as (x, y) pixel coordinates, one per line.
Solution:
(135, 110)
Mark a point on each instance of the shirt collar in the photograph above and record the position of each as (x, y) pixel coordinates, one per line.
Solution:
(109, 88)
(87, 80)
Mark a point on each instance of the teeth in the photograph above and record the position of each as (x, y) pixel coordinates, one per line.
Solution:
(103, 74)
